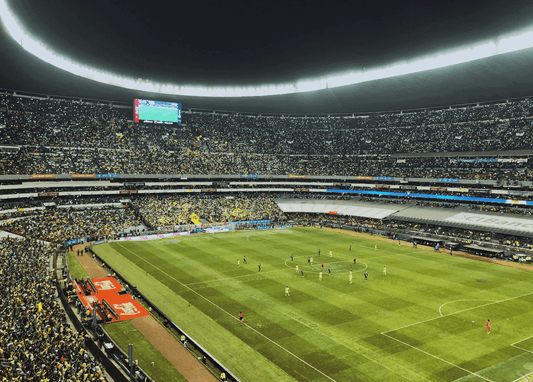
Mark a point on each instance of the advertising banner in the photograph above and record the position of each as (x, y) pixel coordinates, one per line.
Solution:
(447, 180)
(217, 229)
(154, 237)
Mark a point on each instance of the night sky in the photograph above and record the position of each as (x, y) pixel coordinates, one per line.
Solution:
(248, 43)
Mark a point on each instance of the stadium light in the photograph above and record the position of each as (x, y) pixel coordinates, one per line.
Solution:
(516, 41)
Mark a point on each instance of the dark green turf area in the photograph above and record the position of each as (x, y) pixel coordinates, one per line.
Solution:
(124, 333)
(75, 268)
(423, 321)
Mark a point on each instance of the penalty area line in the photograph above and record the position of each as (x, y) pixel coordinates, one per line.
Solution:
(522, 377)
(459, 311)
(525, 339)
(434, 356)
(518, 347)
(229, 314)
(467, 299)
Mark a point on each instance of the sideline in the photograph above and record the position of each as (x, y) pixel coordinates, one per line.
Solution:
(183, 361)
(232, 316)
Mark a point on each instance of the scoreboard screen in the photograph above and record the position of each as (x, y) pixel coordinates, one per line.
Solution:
(156, 111)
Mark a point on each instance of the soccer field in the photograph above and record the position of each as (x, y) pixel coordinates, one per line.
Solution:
(422, 321)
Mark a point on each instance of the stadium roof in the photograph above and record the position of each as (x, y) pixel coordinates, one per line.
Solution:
(277, 42)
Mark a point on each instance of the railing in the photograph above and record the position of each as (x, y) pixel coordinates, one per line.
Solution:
(209, 361)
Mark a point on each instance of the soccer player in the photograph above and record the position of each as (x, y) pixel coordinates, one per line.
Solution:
(384, 271)
(287, 291)
(311, 260)
(329, 270)
(259, 266)
(302, 272)
(308, 260)
(320, 276)
(351, 277)
(244, 260)
(296, 267)
(319, 249)
(354, 260)
(330, 253)
(241, 317)
(322, 265)
(247, 237)
(375, 247)
(488, 327)
(238, 263)
(350, 248)
(366, 276)
(292, 258)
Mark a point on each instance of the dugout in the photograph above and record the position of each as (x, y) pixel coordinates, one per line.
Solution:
(485, 252)
(451, 245)
(427, 241)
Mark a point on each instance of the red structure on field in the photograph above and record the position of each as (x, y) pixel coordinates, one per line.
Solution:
(109, 299)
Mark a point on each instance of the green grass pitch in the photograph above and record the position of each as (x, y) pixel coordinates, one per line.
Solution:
(422, 321)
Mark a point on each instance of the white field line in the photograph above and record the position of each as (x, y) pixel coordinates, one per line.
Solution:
(434, 356)
(526, 350)
(232, 316)
(524, 376)
(451, 314)
(518, 347)
(459, 311)
(517, 342)
(336, 262)
(236, 277)
(467, 299)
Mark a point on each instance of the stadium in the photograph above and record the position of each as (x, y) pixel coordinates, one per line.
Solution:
(320, 194)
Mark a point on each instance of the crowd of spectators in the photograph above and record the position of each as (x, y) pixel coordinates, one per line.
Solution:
(106, 218)
(59, 225)
(174, 210)
(37, 343)
(60, 136)
(47, 136)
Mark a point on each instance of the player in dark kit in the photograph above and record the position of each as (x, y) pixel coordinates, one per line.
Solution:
(244, 260)
(259, 266)
(292, 258)
(366, 276)
(319, 252)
